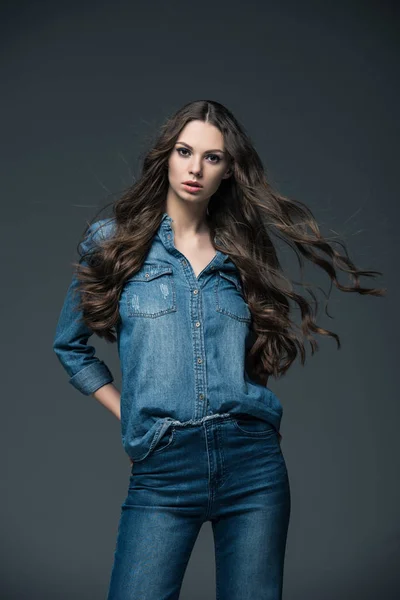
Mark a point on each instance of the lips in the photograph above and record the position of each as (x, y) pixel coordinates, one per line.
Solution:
(193, 183)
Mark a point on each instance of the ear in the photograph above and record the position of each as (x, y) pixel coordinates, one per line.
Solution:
(227, 174)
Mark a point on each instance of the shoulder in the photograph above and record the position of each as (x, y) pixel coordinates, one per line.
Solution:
(102, 229)
(97, 232)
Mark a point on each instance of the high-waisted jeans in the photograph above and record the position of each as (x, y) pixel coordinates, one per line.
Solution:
(227, 469)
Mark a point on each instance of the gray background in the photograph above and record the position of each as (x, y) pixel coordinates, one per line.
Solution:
(84, 88)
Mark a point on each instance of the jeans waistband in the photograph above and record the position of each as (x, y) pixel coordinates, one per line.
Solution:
(216, 416)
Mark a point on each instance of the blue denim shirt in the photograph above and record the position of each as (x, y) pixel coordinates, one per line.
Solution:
(181, 339)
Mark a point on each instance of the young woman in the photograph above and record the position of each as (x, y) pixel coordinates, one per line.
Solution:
(186, 279)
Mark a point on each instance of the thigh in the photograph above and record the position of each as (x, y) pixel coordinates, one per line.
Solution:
(252, 515)
(249, 553)
(156, 534)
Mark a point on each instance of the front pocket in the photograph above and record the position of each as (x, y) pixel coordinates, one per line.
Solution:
(151, 292)
(252, 426)
(165, 441)
(229, 297)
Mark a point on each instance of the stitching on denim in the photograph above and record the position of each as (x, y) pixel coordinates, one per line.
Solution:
(153, 442)
(200, 421)
(220, 436)
(171, 437)
(171, 308)
(256, 433)
(224, 311)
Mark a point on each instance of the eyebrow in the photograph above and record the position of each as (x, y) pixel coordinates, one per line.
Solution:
(190, 147)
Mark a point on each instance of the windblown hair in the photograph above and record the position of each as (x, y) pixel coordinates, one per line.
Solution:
(243, 213)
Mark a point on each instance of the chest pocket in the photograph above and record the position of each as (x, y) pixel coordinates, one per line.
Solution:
(151, 292)
(229, 297)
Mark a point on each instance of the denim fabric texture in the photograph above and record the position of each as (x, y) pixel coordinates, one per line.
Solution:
(225, 469)
(182, 343)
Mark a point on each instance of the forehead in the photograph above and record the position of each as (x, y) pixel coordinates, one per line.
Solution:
(201, 135)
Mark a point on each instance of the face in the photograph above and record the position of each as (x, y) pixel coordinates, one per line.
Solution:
(198, 155)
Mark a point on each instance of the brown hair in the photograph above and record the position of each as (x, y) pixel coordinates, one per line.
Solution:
(243, 214)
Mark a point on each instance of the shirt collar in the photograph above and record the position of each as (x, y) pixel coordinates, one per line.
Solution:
(165, 232)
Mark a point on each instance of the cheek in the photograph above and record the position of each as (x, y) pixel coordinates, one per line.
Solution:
(215, 180)
(172, 170)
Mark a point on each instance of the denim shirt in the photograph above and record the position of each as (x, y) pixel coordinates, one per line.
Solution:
(182, 343)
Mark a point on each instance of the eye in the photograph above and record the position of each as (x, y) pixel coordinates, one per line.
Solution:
(182, 149)
(179, 150)
(215, 156)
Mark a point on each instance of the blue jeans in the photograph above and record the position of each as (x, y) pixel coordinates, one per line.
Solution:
(227, 469)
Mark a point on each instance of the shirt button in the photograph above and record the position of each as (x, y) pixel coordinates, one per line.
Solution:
(197, 323)
(201, 396)
(183, 261)
(199, 360)
(195, 291)
(212, 268)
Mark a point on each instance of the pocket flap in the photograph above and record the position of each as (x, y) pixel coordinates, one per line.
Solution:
(149, 272)
(233, 278)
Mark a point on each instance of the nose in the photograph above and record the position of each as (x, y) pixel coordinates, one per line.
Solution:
(196, 167)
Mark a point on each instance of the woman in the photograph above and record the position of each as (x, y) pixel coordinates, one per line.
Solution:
(185, 277)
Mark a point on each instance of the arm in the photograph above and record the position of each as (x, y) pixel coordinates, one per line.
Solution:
(87, 373)
(110, 397)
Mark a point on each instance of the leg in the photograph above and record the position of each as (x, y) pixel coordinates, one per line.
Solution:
(250, 551)
(157, 530)
(250, 516)
(154, 545)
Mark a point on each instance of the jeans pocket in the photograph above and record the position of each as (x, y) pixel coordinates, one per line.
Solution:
(165, 441)
(253, 426)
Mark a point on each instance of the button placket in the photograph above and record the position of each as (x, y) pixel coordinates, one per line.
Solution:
(200, 375)
(195, 286)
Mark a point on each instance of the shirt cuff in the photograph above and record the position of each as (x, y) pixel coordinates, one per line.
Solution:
(92, 377)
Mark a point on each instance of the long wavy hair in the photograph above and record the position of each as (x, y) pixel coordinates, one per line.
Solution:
(243, 213)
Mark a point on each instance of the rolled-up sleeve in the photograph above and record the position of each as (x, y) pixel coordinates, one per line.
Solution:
(86, 371)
